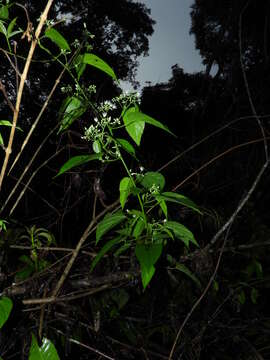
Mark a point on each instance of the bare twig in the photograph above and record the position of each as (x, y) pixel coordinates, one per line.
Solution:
(199, 299)
(215, 132)
(102, 355)
(3, 89)
(21, 87)
(245, 199)
(14, 66)
(39, 196)
(53, 299)
(85, 235)
(26, 169)
(57, 81)
(30, 179)
(37, 119)
(42, 314)
(226, 152)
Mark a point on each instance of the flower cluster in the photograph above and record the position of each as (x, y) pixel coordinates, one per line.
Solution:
(92, 89)
(106, 106)
(99, 133)
(127, 98)
(154, 189)
(76, 44)
(67, 89)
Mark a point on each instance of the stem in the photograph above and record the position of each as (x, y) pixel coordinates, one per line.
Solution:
(133, 182)
(21, 87)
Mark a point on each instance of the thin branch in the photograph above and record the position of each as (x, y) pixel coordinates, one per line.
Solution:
(84, 345)
(60, 249)
(199, 299)
(239, 207)
(11, 63)
(26, 169)
(265, 165)
(57, 81)
(39, 196)
(53, 299)
(31, 178)
(3, 89)
(215, 132)
(226, 152)
(21, 87)
(87, 232)
(37, 119)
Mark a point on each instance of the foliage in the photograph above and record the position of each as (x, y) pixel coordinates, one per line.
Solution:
(46, 351)
(34, 263)
(5, 309)
(147, 234)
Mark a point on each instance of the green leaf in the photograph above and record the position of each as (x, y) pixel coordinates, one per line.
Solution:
(159, 236)
(147, 274)
(14, 33)
(47, 350)
(26, 259)
(139, 227)
(10, 27)
(25, 273)
(3, 226)
(5, 123)
(120, 297)
(179, 199)
(181, 232)
(258, 268)
(147, 256)
(74, 109)
(136, 116)
(97, 147)
(8, 123)
(215, 285)
(187, 272)
(108, 223)
(122, 249)
(168, 232)
(104, 250)
(126, 146)
(153, 178)
(134, 126)
(57, 38)
(3, 29)
(124, 188)
(95, 61)
(254, 295)
(4, 12)
(241, 297)
(76, 161)
(48, 236)
(163, 207)
(79, 66)
(1, 140)
(5, 309)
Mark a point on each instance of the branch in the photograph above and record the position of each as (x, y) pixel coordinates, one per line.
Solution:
(87, 232)
(21, 87)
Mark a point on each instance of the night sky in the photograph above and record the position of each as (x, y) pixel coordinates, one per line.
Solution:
(171, 42)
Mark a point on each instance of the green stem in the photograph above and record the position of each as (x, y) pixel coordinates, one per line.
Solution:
(133, 182)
